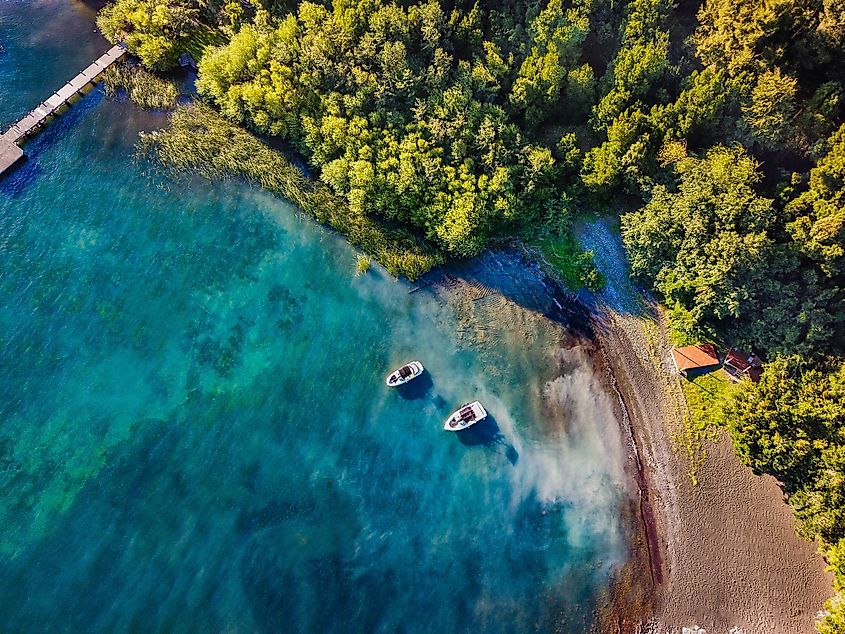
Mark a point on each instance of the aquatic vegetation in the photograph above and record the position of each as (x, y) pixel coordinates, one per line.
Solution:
(399, 129)
(200, 140)
(196, 434)
(144, 88)
(362, 264)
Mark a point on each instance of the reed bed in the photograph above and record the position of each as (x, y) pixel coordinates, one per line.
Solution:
(147, 90)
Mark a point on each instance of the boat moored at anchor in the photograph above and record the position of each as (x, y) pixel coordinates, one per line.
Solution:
(406, 373)
(465, 416)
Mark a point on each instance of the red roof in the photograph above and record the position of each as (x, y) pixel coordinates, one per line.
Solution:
(742, 360)
(745, 363)
(702, 355)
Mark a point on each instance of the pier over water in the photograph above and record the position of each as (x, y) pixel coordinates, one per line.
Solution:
(10, 151)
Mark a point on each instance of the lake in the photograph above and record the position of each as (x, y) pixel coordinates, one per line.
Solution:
(195, 433)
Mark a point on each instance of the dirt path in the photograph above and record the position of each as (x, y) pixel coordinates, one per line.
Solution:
(724, 554)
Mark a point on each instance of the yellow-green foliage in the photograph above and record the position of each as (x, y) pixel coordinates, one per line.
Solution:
(154, 30)
(362, 264)
(200, 140)
(792, 425)
(819, 212)
(835, 555)
(145, 89)
(402, 130)
(833, 621)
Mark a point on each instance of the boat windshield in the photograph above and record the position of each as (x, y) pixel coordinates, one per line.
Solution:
(405, 371)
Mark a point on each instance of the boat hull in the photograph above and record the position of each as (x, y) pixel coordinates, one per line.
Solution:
(395, 378)
(465, 416)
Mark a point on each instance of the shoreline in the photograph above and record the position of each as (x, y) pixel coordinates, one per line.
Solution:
(728, 557)
(631, 359)
(514, 274)
(719, 557)
(508, 286)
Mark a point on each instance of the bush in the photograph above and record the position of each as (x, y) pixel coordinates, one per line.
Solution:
(154, 30)
(833, 622)
(574, 266)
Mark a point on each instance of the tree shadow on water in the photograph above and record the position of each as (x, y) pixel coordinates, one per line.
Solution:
(486, 433)
(507, 273)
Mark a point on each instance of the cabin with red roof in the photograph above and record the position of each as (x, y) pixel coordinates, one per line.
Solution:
(695, 360)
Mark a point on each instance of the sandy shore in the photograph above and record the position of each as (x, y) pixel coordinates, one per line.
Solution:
(720, 557)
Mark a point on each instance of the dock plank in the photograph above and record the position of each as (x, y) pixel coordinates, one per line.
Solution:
(65, 92)
(92, 71)
(53, 102)
(10, 152)
(78, 83)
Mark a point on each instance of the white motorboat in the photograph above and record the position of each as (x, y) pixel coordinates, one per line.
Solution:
(468, 414)
(404, 374)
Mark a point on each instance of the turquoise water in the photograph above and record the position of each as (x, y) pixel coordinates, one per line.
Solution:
(194, 430)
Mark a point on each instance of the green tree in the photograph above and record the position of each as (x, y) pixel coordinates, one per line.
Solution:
(702, 246)
(642, 59)
(623, 154)
(557, 35)
(394, 117)
(819, 224)
(701, 109)
(833, 622)
(154, 30)
(782, 424)
(792, 425)
(771, 108)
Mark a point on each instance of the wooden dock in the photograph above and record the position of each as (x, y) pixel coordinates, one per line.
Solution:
(10, 151)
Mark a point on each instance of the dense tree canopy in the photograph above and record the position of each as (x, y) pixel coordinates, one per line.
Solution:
(473, 121)
(792, 425)
(710, 249)
(819, 212)
(152, 29)
(396, 115)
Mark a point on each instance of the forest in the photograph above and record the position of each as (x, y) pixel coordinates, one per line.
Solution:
(712, 129)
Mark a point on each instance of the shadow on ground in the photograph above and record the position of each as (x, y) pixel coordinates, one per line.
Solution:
(620, 293)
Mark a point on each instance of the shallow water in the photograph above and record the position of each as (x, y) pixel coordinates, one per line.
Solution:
(194, 430)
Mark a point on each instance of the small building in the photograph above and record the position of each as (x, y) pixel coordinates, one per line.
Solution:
(695, 360)
(741, 364)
